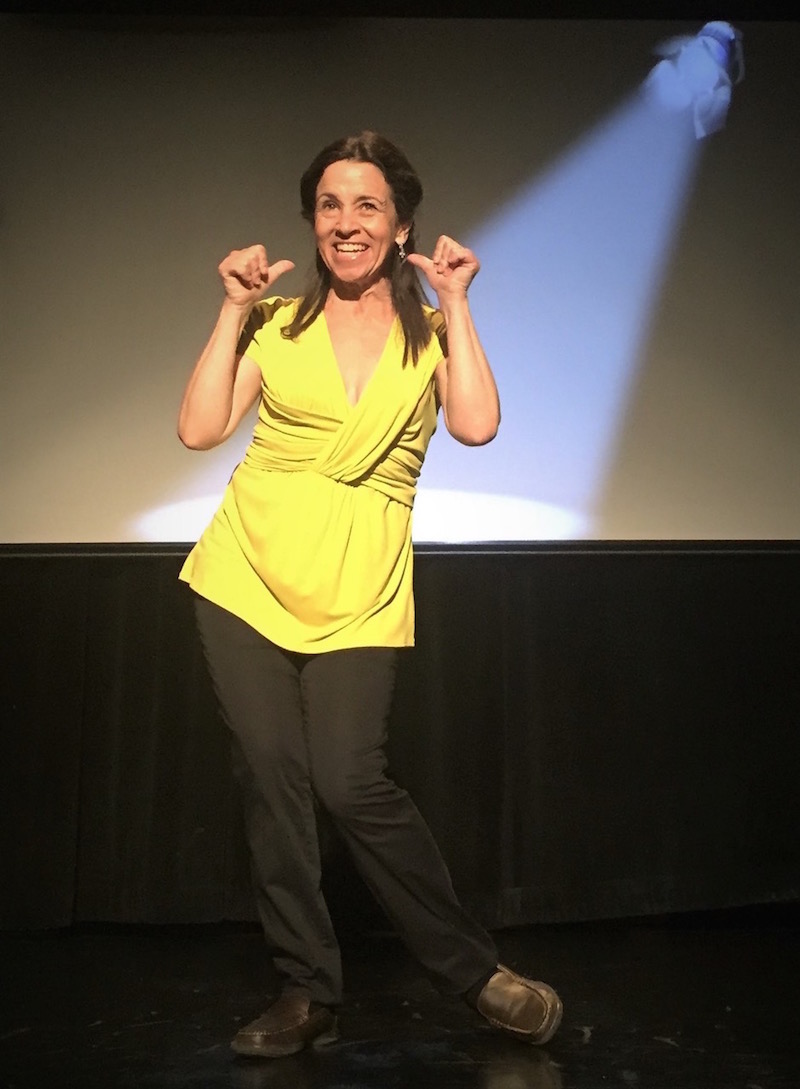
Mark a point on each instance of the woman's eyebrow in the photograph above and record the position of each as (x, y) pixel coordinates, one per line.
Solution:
(361, 196)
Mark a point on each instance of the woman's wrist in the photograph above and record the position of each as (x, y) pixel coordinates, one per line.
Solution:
(453, 303)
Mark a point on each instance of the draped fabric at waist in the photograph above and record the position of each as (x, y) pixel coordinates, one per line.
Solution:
(342, 452)
(326, 552)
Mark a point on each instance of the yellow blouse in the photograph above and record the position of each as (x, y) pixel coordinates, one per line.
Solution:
(311, 544)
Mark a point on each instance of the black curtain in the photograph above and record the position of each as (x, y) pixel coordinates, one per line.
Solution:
(591, 731)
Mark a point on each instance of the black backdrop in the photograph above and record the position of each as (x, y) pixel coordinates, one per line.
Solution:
(591, 731)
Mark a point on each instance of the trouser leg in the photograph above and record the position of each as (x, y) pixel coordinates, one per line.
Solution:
(258, 689)
(347, 696)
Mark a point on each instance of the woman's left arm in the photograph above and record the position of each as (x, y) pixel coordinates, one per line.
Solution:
(464, 380)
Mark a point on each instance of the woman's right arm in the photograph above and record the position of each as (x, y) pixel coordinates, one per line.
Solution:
(224, 385)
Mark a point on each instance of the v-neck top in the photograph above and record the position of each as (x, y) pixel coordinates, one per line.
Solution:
(311, 544)
(323, 319)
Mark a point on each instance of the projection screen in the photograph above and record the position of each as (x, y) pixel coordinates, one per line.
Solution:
(638, 296)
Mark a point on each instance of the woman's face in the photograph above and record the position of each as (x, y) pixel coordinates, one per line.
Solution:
(355, 221)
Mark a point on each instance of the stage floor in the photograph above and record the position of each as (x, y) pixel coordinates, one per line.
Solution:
(706, 1001)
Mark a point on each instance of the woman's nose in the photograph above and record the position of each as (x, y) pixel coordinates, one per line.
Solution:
(345, 223)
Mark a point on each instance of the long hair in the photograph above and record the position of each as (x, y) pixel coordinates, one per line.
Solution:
(408, 297)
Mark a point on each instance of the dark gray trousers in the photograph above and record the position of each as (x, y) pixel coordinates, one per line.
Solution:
(315, 726)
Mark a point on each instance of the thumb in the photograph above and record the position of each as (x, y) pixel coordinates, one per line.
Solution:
(277, 269)
(421, 261)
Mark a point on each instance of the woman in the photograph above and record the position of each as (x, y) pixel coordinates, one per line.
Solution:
(303, 578)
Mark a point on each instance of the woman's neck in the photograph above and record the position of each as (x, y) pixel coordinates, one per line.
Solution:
(375, 299)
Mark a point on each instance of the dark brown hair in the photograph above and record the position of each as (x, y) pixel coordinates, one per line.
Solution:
(407, 294)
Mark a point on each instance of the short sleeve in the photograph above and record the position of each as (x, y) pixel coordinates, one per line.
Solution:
(266, 319)
(438, 327)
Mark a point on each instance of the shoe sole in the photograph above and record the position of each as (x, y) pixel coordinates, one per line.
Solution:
(280, 1051)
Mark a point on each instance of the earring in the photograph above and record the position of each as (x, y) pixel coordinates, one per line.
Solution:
(401, 251)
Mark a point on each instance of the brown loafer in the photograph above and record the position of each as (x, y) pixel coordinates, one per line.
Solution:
(526, 1008)
(290, 1024)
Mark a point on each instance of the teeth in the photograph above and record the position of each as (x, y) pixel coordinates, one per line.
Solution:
(351, 248)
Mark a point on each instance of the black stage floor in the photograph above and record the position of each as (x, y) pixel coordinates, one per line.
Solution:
(708, 1001)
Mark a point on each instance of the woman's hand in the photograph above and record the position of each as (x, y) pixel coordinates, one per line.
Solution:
(464, 381)
(224, 385)
(247, 274)
(450, 270)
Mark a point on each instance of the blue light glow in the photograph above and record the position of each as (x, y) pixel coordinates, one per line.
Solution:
(571, 272)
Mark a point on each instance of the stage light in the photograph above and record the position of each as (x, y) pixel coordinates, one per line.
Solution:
(699, 72)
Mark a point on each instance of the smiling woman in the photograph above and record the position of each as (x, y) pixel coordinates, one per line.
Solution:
(362, 191)
(355, 216)
(303, 579)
